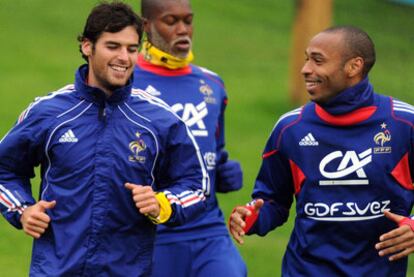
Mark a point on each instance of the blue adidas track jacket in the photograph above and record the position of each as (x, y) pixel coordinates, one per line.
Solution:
(345, 163)
(88, 147)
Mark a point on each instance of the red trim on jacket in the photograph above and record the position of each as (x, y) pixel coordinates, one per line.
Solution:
(160, 70)
(298, 176)
(268, 154)
(351, 118)
(401, 173)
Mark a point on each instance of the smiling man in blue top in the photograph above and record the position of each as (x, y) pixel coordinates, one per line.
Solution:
(113, 162)
(347, 157)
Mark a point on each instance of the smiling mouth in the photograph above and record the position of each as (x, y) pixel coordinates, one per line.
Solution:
(312, 83)
(119, 68)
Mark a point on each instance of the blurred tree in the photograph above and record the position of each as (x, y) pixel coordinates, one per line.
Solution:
(311, 17)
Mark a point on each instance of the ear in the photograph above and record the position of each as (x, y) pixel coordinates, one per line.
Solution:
(87, 47)
(355, 66)
(146, 24)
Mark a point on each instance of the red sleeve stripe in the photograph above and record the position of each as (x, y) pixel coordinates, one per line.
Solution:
(268, 154)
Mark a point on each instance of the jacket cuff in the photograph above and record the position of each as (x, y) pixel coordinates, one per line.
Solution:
(165, 209)
(14, 219)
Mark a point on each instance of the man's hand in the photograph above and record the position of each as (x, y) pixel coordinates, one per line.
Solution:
(239, 220)
(145, 200)
(229, 174)
(35, 220)
(399, 242)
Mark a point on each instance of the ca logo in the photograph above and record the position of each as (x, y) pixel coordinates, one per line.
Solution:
(351, 162)
(193, 117)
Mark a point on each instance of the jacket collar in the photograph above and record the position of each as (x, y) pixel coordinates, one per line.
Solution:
(351, 106)
(353, 98)
(96, 95)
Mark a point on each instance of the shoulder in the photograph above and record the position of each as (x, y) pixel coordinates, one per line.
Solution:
(209, 74)
(284, 122)
(153, 108)
(402, 110)
(49, 105)
(288, 119)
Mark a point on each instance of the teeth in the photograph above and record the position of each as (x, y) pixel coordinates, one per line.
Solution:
(313, 83)
(119, 68)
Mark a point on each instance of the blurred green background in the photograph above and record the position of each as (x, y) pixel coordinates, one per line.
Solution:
(247, 42)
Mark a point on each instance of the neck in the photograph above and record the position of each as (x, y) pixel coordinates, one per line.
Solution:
(158, 57)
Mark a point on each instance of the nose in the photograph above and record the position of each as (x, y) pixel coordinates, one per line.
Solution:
(183, 28)
(306, 69)
(123, 54)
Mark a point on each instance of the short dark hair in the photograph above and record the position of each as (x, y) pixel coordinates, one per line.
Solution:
(357, 43)
(149, 7)
(109, 17)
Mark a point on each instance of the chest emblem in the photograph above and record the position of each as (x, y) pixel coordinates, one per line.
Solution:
(381, 138)
(137, 147)
(207, 91)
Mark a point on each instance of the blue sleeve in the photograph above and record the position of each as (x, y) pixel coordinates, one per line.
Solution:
(183, 176)
(20, 152)
(220, 140)
(274, 185)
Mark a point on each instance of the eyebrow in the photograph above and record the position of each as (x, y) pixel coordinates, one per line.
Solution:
(117, 43)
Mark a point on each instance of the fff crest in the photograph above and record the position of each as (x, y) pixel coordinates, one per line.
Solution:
(137, 147)
(207, 91)
(381, 138)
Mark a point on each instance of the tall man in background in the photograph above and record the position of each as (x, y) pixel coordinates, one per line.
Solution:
(201, 247)
(347, 157)
(113, 164)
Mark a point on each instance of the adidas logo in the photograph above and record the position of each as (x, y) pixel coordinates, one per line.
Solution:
(69, 136)
(308, 140)
(153, 91)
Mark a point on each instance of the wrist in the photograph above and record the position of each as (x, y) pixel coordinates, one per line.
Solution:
(407, 221)
(165, 210)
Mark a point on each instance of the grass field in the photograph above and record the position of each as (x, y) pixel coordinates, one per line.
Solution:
(246, 42)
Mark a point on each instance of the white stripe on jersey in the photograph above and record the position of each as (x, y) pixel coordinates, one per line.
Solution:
(10, 196)
(291, 113)
(9, 201)
(77, 105)
(134, 112)
(208, 71)
(142, 94)
(47, 146)
(401, 104)
(404, 110)
(66, 89)
(190, 198)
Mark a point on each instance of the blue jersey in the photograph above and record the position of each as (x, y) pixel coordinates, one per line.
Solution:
(88, 147)
(199, 98)
(344, 170)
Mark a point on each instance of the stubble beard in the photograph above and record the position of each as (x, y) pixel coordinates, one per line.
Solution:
(158, 41)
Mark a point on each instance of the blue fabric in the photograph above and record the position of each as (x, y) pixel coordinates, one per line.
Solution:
(359, 96)
(229, 174)
(199, 258)
(83, 142)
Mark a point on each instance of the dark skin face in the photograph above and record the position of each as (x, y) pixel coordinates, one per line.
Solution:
(327, 70)
(170, 27)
